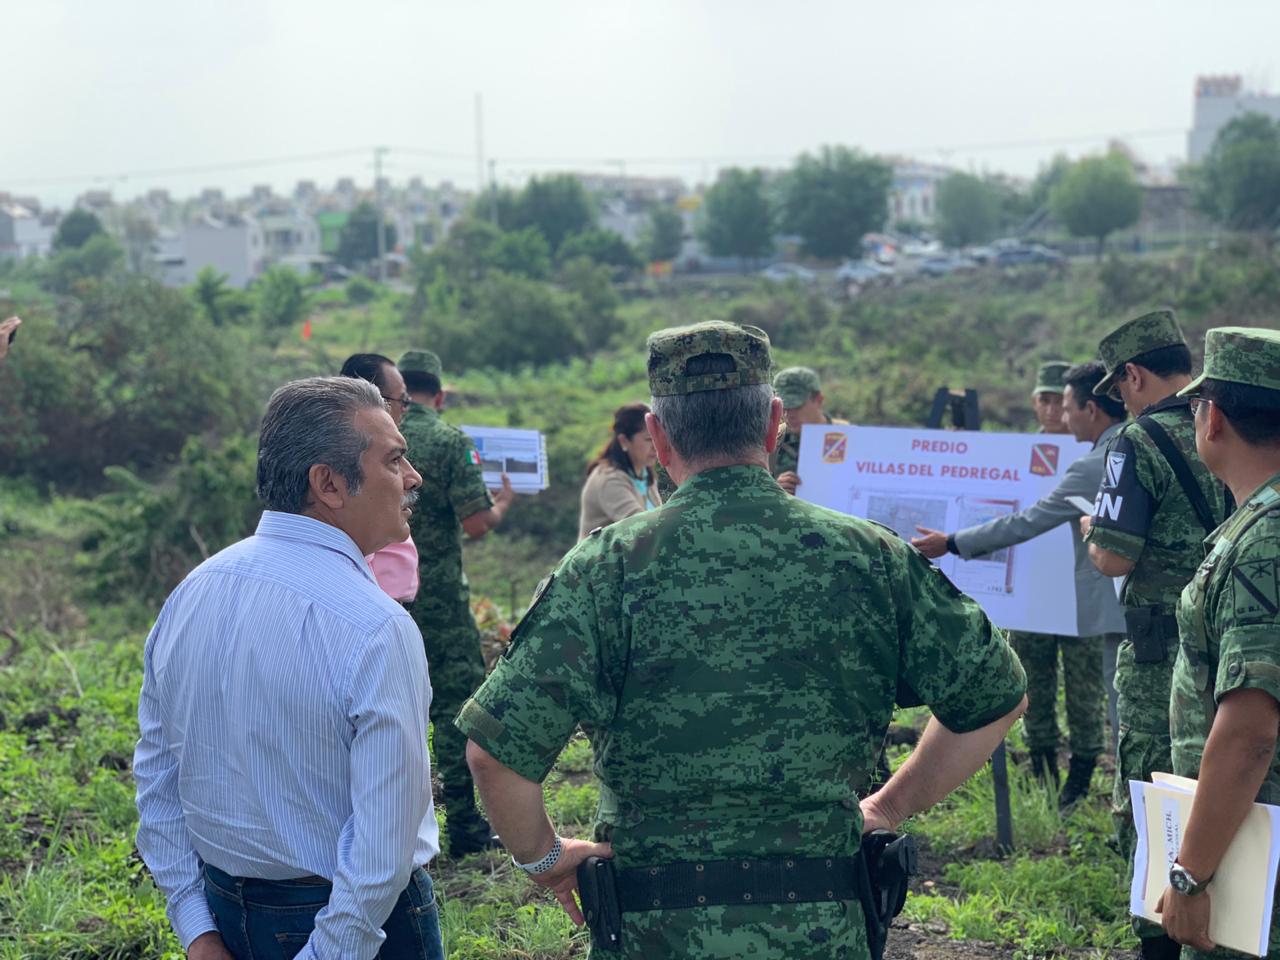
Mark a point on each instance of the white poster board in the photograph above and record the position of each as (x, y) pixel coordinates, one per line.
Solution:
(944, 480)
(520, 454)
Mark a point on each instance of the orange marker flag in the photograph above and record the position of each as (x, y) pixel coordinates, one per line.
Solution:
(306, 329)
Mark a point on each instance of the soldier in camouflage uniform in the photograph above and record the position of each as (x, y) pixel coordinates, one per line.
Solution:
(735, 656)
(801, 393)
(453, 498)
(1099, 617)
(1226, 681)
(1152, 512)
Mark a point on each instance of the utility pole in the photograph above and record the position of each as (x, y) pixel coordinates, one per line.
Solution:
(493, 191)
(378, 154)
(479, 144)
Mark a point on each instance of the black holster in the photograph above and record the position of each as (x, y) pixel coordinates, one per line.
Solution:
(1150, 631)
(601, 906)
(888, 861)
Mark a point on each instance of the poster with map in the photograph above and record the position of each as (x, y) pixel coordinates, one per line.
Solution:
(948, 481)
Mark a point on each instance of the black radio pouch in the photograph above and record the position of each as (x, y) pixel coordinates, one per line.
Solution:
(601, 906)
(1145, 632)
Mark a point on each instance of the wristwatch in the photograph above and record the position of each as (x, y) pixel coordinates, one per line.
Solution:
(543, 865)
(951, 544)
(1184, 883)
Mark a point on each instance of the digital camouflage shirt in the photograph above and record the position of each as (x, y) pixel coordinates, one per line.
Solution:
(452, 490)
(1142, 514)
(735, 656)
(1229, 627)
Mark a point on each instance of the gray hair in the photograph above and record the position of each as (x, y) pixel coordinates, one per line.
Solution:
(716, 424)
(308, 422)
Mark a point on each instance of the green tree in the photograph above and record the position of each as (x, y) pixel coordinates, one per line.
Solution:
(96, 259)
(737, 220)
(831, 200)
(595, 307)
(1049, 177)
(150, 369)
(512, 322)
(498, 206)
(358, 241)
(968, 210)
(76, 229)
(282, 301)
(1239, 183)
(1096, 197)
(558, 206)
(361, 290)
(525, 252)
(663, 235)
(603, 246)
(220, 303)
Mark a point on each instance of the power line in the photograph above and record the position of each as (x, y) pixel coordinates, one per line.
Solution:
(197, 168)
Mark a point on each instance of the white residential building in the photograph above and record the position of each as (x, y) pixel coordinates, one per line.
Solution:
(232, 245)
(25, 233)
(1219, 100)
(913, 195)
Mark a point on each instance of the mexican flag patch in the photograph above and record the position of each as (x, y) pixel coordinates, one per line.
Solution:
(475, 457)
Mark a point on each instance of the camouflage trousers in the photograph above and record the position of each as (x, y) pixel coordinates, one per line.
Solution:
(456, 669)
(803, 931)
(1086, 696)
(1144, 745)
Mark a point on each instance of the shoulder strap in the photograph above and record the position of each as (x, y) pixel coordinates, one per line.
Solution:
(1182, 470)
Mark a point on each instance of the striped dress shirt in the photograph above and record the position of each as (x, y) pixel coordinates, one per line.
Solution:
(284, 733)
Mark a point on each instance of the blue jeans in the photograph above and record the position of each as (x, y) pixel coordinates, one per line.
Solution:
(272, 919)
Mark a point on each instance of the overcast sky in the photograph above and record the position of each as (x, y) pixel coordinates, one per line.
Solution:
(98, 89)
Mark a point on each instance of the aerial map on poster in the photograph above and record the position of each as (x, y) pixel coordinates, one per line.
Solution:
(943, 480)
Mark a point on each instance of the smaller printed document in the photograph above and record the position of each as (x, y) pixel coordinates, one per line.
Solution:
(520, 454)
(1243, 888)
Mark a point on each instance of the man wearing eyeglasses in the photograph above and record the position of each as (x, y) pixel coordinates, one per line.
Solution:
(396, 565)
(1156, 504)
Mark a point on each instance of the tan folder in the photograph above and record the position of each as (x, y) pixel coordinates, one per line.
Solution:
(1242, 889)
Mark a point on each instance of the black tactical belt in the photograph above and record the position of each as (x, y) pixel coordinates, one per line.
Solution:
(676, 886)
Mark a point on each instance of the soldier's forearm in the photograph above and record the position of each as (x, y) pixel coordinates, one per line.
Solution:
(1237, 756)
(941, 762)
(514, 805)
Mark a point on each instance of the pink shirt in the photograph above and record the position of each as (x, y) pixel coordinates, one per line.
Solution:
(396, 568)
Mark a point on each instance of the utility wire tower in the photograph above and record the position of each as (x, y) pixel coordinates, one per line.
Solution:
(378, 154)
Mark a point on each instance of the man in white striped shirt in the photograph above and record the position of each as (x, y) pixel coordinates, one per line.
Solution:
(284, 792)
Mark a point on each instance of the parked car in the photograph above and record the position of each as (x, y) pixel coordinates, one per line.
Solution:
(941, 266)
(862, 271)
(1033, 253)
(981, 254)
(782, 272)
(921, 248)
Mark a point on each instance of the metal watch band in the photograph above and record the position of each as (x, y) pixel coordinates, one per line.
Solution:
(545, 864)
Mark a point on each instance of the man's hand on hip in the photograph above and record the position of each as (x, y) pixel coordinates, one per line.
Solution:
(562, 879)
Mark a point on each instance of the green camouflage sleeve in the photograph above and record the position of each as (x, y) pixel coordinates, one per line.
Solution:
(951, 656)
(550, 680)
(1246, 613)
(1127, 496)
(467, 492)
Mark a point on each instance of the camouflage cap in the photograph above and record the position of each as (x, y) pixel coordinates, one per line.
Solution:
(1049, 377)
(1151, 331)
(1248, 355)
(795, 385)
(670, 351)
(421, 361)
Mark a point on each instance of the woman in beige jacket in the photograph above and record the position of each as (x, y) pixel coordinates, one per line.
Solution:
(620, 480)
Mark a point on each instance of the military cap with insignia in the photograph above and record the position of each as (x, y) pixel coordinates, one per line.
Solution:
(795, 385)
(1245, 355)
(670, 351)
(1049, 377)
(1151, 331)
(421, 361)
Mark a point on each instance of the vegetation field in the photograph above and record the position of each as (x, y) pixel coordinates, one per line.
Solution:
(127, 439)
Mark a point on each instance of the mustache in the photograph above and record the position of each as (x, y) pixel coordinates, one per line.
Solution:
(409, 501)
